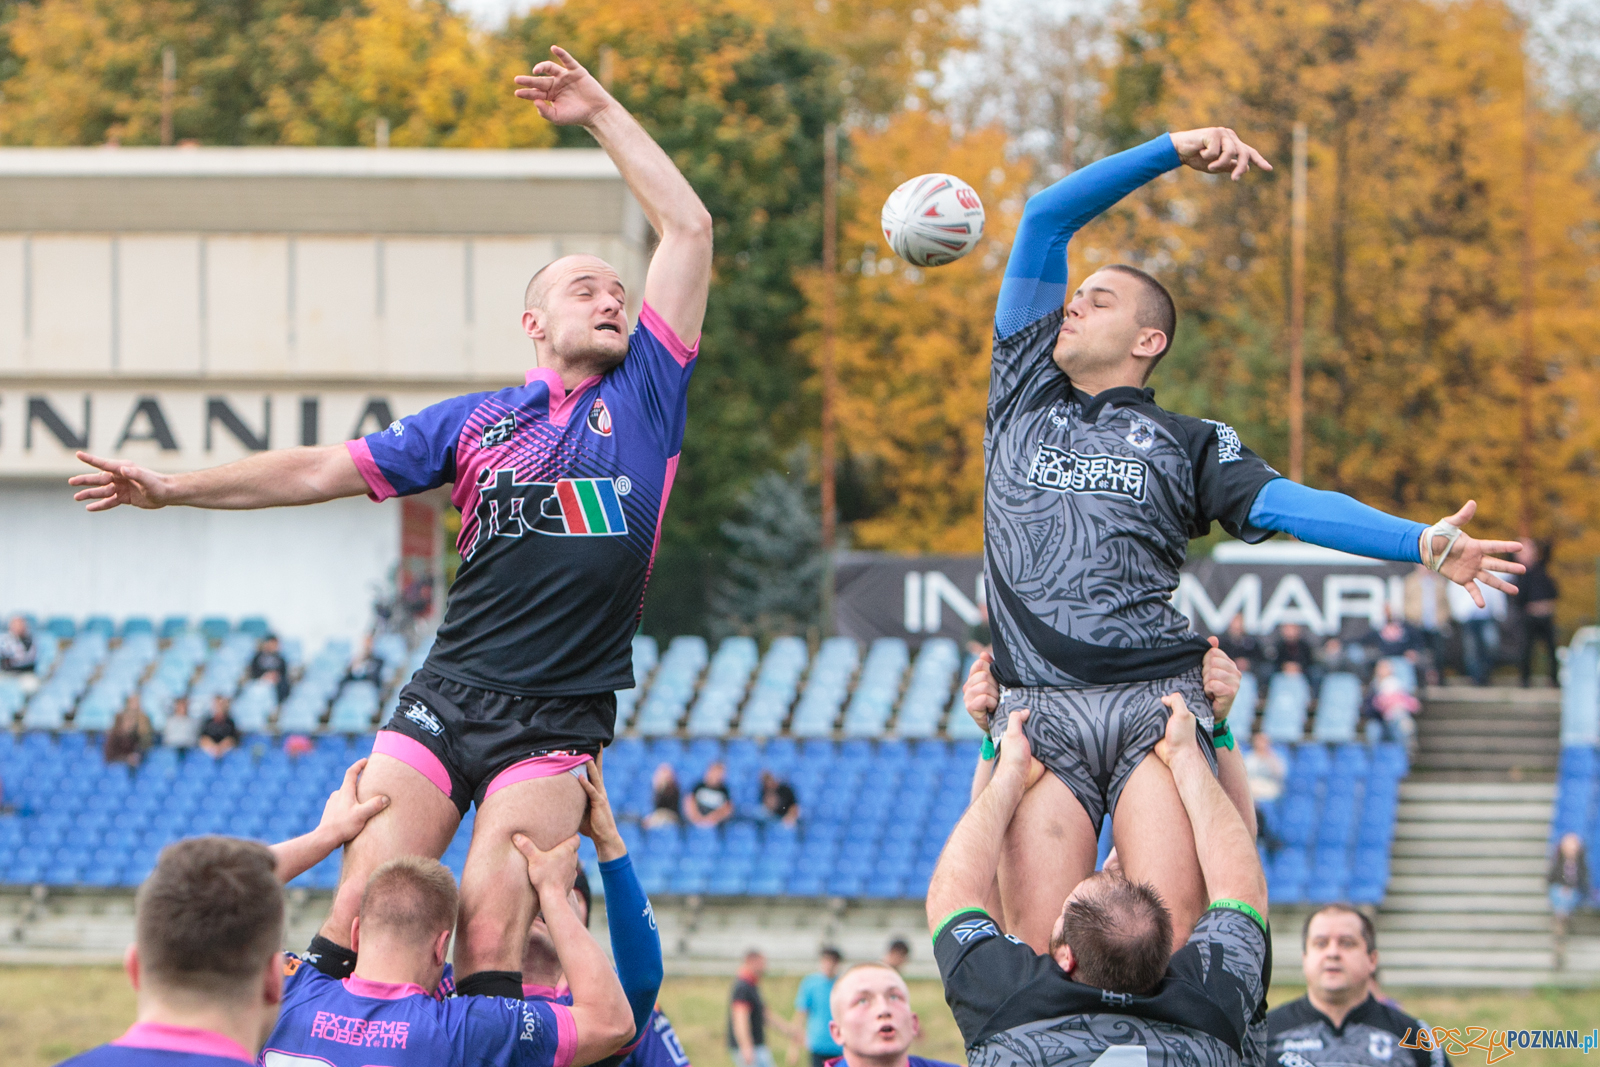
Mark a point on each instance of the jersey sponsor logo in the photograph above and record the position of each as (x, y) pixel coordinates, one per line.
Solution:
(372, 1033)
(969, 930)
(600, 418)
(1229, 447)
(397, 428)
(1064, 471)
(669, 1039)
(570, 507)
(1116, 1000)
(531, 1025)
(1301, 1044)
(650, 914)
(419, 714)
(500, 432)
(1294, 1059)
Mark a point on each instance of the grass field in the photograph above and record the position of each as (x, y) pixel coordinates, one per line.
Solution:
(50, 1013)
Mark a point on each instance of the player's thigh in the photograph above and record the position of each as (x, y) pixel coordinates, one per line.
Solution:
(419, 821)
(1048, 849)
(1156, 844)
(546, 810)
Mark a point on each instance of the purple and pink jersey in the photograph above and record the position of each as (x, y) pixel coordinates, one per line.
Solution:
(159, 1045)
(353, 1022)
(561, 497)
(657, 1047)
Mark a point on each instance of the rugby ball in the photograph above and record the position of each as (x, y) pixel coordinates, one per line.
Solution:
(933, 219)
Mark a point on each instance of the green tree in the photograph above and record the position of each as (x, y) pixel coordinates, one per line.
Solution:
(772, 582)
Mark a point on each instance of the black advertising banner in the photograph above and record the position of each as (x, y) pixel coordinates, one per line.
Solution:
(1277, 582)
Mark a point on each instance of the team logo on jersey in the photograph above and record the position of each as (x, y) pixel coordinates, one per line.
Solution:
(1229, 447)
(600, 418)
(1141, 432)
(1064, 471)
(974, 930)
(570, 507)
(500, 432)
(397, 428)
(1380, 1045)
(1294, 1059)
(418, 713)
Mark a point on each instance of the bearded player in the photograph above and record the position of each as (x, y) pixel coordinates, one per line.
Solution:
(1092, 494)
(562, 483)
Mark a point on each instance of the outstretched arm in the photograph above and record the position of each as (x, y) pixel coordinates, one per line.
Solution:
(342, 819)
(1334, 520)
(680, 271)
(1035, 282)
(279, 478)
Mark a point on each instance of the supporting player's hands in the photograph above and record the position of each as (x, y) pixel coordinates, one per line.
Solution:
(981, 693)
(115, 482)
(1219, 675)
(1215, 149)
(1016, 754)
(345, 814)
(599, 821)
(563, 91)
(1181, 740)
(551, 872)
(1470, 562)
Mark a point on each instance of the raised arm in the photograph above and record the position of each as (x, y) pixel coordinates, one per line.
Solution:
(280, 478)
(600, 1012)
(1035, 282)
(1227, 851)
(343, 817)
(680, 271)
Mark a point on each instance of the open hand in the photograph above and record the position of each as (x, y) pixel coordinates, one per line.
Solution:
(344, 816)
(550, 872)
(980, 693)
(115, 482)
(1215, 149)
(1181, 735)
(563, 91)
(1470, 562)
(599, 821)
(1219, 675)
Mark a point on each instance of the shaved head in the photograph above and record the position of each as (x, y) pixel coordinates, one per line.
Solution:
(537, 294)
(575, 313)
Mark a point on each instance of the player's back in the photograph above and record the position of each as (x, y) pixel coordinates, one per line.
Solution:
(328, 1022)
(158, 1045)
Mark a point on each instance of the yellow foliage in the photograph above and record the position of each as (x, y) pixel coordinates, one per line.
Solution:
(913, 345)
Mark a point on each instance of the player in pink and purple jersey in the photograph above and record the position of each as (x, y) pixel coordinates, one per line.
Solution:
(562, 482)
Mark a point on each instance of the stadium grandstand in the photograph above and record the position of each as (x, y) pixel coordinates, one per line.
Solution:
(874, 741)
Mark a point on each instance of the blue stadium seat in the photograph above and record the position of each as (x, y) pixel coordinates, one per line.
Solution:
(1288, 697)
(1338, 707)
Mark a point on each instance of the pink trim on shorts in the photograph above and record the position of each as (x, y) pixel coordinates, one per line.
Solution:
(566, 1035)
(378, 487)
(366, 987)
(651, 320)
(562, 403)
(547, 765)
(413, 754)
(183, 1039)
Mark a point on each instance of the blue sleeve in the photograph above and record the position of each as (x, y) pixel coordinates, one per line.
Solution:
(1035, 282)
(656, 374)
(660, 1047)
(416, 453)
(1334, 520)
(510, 1033)
(635, 941)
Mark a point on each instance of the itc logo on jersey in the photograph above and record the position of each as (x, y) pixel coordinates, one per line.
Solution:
(1064, 471)
(571, 507)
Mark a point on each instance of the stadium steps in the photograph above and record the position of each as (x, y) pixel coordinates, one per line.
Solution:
(1466, 904)
(1490, 734)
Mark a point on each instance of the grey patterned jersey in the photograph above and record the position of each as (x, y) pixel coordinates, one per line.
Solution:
(1371, 1035)
(1089, 506)
(1019, 1009)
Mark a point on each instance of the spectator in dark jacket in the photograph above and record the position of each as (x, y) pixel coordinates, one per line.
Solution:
(1241, 647)
(1569, 887)
(130, 734)
(270, 666)
(19, 653)
(1291, 646)
(219, 735)
(778, 799)
(1536, 597)
(1395, 637)
(366, 666)
(666, 798)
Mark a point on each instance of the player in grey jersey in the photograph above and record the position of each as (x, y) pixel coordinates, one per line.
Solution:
(1092, 494)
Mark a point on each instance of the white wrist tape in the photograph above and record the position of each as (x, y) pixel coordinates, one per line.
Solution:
(1451, 534)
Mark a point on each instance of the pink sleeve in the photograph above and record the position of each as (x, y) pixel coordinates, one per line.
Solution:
(651, 320)
(566, 1035)
(378, 487)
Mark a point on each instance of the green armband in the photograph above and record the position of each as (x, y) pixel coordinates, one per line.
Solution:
(986, 753)
(1222, 735)
(1241, 906)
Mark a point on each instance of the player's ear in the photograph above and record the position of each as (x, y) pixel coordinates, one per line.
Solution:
(272, 981)
(1064, 958)
(355, 935)
(130, 963)
(441, 948)
(533, 323)
(1149, 342)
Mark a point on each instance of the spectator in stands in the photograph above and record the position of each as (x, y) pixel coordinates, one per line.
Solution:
(873, 1021)
(1395, 638)
(709, 803)
(1241, 647)
(666, 798)
(897, 955)
(18, 653)
(813, 1008)
(1428, 609)
(365, 666)
(220, 735)
(749, 1016)
(1536, 598)
(1480, 628)
(1340, 1020)
(1266, 774)
(1390, 710)
(1335, 656)
(1569, 888)
(270, 666)
(130, 734)
(1291, 651)
(778, 800)
(181, 729)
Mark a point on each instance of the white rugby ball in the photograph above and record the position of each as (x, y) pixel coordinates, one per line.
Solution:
(933, 219)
